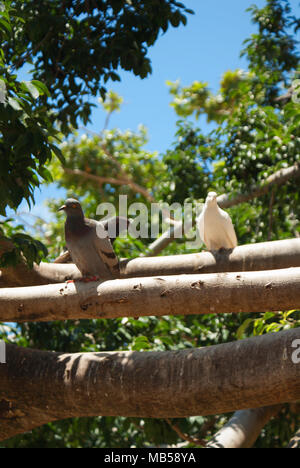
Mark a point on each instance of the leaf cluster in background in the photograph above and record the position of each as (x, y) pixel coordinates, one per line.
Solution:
(20, 246)
(75, 47)
(26, 131)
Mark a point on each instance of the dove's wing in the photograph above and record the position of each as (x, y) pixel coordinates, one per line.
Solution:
(200, 225)
(228, 230)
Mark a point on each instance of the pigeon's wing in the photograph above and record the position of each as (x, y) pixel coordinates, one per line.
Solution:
(104, 247)
(201, 228)
(228, 229)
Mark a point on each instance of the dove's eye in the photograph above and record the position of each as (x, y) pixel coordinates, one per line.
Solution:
(73, 205)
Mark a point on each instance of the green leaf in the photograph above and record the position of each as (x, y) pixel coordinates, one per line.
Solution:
(14, 104)
(41, 87)
(167, 340)
(33, 90)
(3, 91)
(45, 173)
(241, 330)
(5, 25)
(58, 153)
(141, 342)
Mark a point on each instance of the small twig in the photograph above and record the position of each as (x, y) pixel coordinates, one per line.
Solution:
(186, 437)
(107, 120)
(98, 179)
(126, 179)
(130, 182)
(116, 181)
(65, 257)
(23, 59)
(110, 180)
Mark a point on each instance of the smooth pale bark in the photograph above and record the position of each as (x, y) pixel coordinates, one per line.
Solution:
(44, 273)
(220, 293)
(41, 386)
(174, 232)
(250, 257)
(243, 428)
(295, 441)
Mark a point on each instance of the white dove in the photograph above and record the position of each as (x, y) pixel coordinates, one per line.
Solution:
(215, 226)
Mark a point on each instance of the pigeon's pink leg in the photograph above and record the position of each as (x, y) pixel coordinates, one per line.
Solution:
(85, 279)
(88, 279)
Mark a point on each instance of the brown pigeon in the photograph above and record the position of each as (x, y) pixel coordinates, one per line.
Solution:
(89, 244)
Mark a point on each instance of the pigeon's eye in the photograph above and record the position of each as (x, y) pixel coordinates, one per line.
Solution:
(73, 205)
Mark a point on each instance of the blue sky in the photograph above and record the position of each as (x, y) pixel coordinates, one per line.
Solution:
(203, 50)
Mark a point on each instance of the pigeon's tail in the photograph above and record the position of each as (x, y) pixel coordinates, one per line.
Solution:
(111, 261)
(116, 271)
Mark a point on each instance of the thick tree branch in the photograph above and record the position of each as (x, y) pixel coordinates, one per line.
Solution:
(41, 386)
(279, 177)
(219, 293)
(44, 273)
(250, 257)
(243, 428)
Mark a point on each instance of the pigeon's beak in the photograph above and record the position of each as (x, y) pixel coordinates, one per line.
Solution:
(62, 208)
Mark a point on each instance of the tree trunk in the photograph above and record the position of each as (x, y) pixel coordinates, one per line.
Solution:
(220, 293)
(41, 386)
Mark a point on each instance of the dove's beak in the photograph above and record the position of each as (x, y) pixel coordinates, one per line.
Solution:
(62, 208)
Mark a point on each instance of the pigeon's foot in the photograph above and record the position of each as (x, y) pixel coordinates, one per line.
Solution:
(85, 279)
(89, 279)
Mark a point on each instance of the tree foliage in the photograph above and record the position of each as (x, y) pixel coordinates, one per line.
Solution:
(73, 49)
(26, 131)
